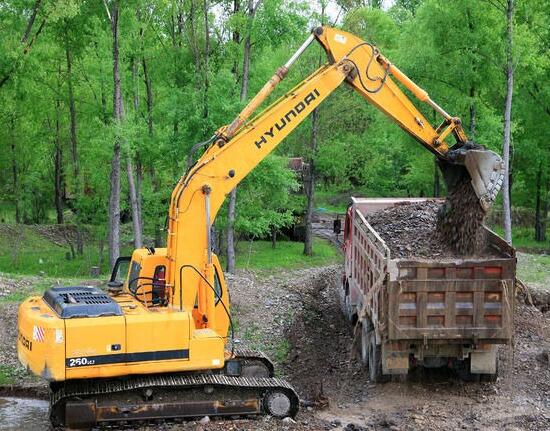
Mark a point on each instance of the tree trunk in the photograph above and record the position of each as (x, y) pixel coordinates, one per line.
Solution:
(231, 231)
(72, 109)
(545, 208)
(58, 165)
(310, 185)
(134, 188)
(507, 124)
(138, 241)
(27, 44)
(206, 58)
(150, 132)
(473, 112)
(193, 33)
(114, 196)
(310, 174)
(15, 180)
(246, 68)
(236, 36)
(539, 234)
(273, 237)
(149, 95)
(233, 195)
(156, 187)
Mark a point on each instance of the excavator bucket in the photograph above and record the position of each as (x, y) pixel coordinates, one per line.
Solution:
(485, 168)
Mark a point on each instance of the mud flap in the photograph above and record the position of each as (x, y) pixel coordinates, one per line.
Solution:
(394, 362)
(484, 362)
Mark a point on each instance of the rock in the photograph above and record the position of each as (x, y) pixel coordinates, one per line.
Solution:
(288, 420)
(205, 420)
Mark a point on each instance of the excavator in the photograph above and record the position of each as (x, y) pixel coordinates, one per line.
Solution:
(158, 344)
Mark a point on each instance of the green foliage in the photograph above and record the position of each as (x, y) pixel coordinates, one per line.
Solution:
(265, 198)
(454, 49)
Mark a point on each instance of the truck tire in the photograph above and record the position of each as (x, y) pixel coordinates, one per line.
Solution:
(490, 378)
(375, 360)
(365, 345)
(348, 307)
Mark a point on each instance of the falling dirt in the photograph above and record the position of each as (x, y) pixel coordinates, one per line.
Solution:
(460, 224)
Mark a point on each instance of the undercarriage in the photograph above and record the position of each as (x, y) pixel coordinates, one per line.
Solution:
(245, 386)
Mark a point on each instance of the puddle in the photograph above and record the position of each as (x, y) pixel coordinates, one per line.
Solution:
(23, 414)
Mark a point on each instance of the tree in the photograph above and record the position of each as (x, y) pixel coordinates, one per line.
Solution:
(251, 12)
(508, 122)
(114, 195)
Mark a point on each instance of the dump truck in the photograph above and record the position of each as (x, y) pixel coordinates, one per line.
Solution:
(411, 312)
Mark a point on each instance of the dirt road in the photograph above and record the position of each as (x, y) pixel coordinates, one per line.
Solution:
(295, 317)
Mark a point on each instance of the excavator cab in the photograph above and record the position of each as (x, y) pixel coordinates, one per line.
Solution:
(143, 276)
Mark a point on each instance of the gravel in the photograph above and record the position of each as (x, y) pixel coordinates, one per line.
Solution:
(410, 230)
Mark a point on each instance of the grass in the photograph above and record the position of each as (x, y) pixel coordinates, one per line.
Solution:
(523, 238)
(259, 255)
(534, 268)
(28, 252)
(328, 201)
(8, 375)
(282, 350)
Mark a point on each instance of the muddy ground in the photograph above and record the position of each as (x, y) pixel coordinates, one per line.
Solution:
(296, 318)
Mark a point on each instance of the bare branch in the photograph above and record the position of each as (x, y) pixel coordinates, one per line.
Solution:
(497, 5)
(107, 10)
(28, 30)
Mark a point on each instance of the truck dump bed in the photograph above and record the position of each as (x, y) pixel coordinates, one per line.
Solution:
(426, 302)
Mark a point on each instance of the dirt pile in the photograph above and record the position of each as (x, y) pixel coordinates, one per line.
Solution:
(411, 230)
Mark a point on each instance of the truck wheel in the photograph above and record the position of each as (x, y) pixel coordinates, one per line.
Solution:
(490, 378)
(365, 341)
(348, 308)
(342, 297)
(375, 360)
(462, 369)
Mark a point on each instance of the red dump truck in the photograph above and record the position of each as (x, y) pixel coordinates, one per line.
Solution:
(425, 312)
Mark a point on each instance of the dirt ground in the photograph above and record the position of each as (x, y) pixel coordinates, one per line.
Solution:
(295, 317)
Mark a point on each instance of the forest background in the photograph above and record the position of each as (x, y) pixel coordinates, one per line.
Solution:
(101, 102)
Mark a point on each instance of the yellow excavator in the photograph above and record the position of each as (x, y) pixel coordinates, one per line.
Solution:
(158, 344)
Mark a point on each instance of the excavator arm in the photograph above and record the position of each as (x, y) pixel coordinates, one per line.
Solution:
(239, 147)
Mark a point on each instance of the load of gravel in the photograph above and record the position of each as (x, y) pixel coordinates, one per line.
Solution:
(414, 230)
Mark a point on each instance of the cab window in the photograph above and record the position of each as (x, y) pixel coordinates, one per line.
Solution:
(120, 270)
(133, 278)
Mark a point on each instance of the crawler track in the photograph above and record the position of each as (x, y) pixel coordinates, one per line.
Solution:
(121, 402)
